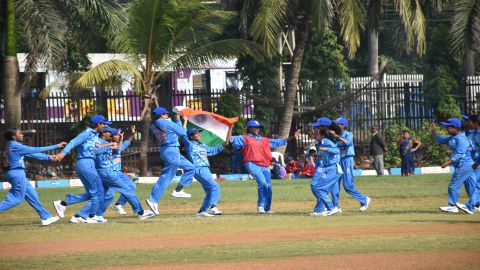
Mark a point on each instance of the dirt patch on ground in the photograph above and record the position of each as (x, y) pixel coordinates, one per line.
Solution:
(224, 238)
(392, 261)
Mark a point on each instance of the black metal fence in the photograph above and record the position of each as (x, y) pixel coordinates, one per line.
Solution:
(397, 99)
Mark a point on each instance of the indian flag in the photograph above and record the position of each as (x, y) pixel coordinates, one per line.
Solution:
(215, 127)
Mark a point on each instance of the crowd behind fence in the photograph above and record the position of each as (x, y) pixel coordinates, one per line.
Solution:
(396, 99)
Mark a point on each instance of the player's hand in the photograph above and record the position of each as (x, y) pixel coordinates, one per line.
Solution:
(323, 149)
(134, 130)
(116, 147)
(121, 134)
(177, 117)
(59, 156)
(62, 144)
(446, 164)
(53, 157)
(298, 133)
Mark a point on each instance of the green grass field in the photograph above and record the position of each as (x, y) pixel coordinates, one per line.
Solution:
(402, 229)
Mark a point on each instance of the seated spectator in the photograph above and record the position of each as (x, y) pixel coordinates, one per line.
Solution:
(309, 167)
(277, 170)
(293, 168)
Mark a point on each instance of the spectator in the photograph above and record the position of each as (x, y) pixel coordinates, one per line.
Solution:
(293, 168)
(309, 167)
(408, 147)
(377, 149)
(277, 170)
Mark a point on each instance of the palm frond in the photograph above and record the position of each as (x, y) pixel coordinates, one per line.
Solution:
(269, 21)
(413, 19)
(322, 12)
(105, 71)
(465, 28)
(352, 24)
(208, 54)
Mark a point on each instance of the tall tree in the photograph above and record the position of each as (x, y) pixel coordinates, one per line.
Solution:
(465, 32)
(162, 36)
(305, 16)
(412, 18)
(44, 24)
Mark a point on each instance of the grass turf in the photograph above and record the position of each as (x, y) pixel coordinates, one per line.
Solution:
(396, 202)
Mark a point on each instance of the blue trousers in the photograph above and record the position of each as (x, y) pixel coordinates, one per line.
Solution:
(22, 190)
(461, 175)
(348, 183)
(210, 186)
(122, 200)
(172, 160)
(111, 180)
(93, 186)
(475, 197)
(323, 182)
(263, 177)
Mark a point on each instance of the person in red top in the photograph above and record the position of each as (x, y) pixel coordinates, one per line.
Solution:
(309, 167)
(293, 168)
(257, 156)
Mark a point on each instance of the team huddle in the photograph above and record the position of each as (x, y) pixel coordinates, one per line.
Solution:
(99, 150)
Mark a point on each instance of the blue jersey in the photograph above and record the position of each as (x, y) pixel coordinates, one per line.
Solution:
(117, 156)
(85, 142)
(459, 146)
(199, 152)
(104, 156)
(16, 152)
(329, 157)
(474, 140)
(166, 132)
(346, 150)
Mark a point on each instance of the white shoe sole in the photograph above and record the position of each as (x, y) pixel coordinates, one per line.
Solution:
(51, 221)
(152, 207)
(58, 207)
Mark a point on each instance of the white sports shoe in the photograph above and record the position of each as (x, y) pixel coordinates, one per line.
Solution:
(119, 209)
(50, 220)
(60, 208)
(269, 212)
(332, 212)
(214, 211)
(339, 210)
(181, 194)
(363, 208)
(476, 209)
(449, 209)
(75, 219)
(146, 214)
(464, 208)
(203, 214)
(261, 210)
(153, 206)
(319, 214)
(96, 219)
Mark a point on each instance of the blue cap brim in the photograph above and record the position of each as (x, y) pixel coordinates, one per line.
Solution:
(315, 125)
(106, 122)
(465, 117)
(259, 126)
(447, 124)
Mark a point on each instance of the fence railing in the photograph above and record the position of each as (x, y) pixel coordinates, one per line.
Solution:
(397, 98)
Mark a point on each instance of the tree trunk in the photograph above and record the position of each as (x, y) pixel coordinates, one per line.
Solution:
(13, 110)
(294, 74)
(145, 142)
(469, 63)
(372, 51)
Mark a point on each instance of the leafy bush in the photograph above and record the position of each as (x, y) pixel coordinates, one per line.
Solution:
(431, 152)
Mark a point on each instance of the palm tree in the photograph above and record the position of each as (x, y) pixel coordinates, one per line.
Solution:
(44, 24)
(162, 36)
(412, 19)
(307, 17)
(465, 32)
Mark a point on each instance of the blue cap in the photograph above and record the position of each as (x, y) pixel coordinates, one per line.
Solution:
(160, 111)
(114, 131)
(322, 121)
(254, 123)
(452, 122)
(192, 131)
(106, 129)
(342, 121)
(100, 119)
